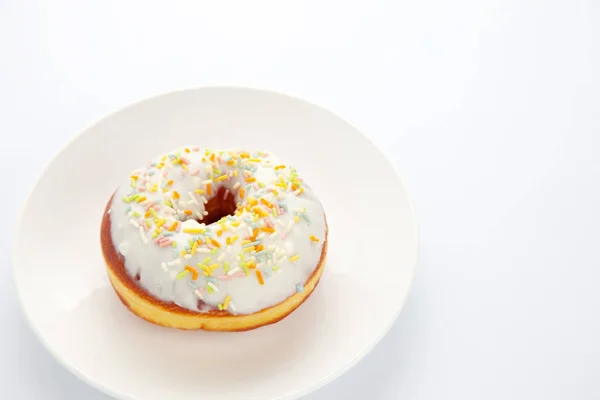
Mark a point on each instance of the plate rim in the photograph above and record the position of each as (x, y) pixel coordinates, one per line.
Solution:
(287, 396)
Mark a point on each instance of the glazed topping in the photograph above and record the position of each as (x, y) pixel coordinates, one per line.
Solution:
(227, 230)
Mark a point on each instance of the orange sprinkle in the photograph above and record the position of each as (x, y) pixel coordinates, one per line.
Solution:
(187, 212)
(215, 243)
(208, 189)
(279, 167)
(220, 232)
(251, 179)
(187, 150)
(230, 162)
(267, 229)
(260, 278)
(170, 182)
(244, 155)
(199, 241)
(254, 234)
(193, 271)
(140, 199)
(147, 214)
(134, 177)
(251, 264)
(176, 194)
(252, 201)
(266, 202)
(241, 193)
(174, 226)
(314, 239)
(260, 211)
(212, 157)
(228, 240)
(259, 248)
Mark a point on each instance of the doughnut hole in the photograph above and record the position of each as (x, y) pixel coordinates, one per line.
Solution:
(219, 206)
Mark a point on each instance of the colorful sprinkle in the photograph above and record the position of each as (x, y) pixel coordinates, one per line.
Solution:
(182, 274)
(193, 271)
(259, 277)
(212, 286)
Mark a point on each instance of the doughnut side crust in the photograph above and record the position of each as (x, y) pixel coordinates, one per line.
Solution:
(159, 312)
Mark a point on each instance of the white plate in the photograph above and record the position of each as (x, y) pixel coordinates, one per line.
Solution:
(65, 293)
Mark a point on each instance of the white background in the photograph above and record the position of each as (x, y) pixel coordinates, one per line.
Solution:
(491, 110)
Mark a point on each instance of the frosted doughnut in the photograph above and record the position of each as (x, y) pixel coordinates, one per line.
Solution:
(214, 239)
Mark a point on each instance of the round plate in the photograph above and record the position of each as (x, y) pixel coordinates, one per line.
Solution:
(64, 289)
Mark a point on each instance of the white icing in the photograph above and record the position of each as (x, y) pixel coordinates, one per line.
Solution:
(160, 268)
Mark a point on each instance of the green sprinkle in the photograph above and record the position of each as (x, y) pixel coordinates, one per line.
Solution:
(153, 213)
(126, 199)
(226, 266)
(245, 267)
(206, 260)
(220, 306)
(136, 214)
(275, 268)
(213, 251)
(148, 222)
(182, 274)
(210, 290)
(261, 185)
(174, 243)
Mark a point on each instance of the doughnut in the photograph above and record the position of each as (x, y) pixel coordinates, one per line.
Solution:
(220, 240)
